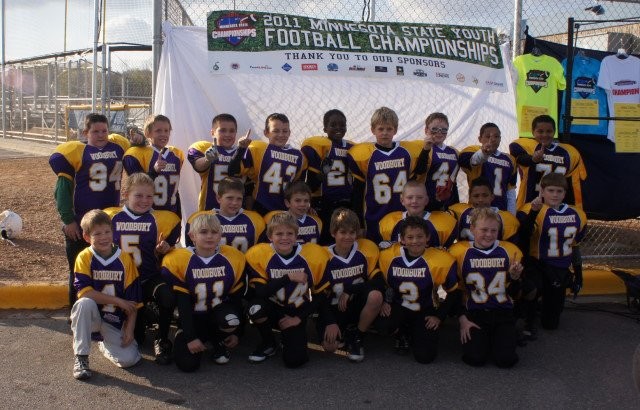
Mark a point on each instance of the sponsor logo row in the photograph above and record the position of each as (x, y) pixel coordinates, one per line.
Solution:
(399, 70)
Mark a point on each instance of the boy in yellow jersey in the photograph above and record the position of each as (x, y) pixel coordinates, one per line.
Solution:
(413, 272)
(489, 272)
(207, 281)
(109, 297)
(282, 275)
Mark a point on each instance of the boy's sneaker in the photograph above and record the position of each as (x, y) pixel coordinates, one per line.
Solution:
(81, 369)
(356, 350)
(261, 353)
(402, 344)
(220, 353)
(530, 333)
(162, 350)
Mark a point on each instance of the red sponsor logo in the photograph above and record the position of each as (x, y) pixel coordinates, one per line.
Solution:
(309, 67)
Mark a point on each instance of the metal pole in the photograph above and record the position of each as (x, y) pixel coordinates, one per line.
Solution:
(108, 92)
(103, 90)
(4, 110)
(157, 46)
(21, 99)
(372, 10)
(96, 37)
(55, 98)
(517, 28)
(567, 120)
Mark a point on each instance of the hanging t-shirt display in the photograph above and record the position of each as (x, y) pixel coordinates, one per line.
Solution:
(539, 78)
(620, 77)
(587, 99)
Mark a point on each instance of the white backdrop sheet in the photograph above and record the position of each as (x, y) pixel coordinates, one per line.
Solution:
(190, 96)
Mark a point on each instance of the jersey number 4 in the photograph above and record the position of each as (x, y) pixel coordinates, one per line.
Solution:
(275, 179)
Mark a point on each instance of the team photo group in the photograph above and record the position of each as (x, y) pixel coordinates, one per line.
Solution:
(325, 243)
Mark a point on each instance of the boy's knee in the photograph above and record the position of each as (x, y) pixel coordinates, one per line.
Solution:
(506, 361)
(130, 358)
(188, 364)
(424, 356)
(293, 359)
(257, 312)
(374, 298)
(474, 360)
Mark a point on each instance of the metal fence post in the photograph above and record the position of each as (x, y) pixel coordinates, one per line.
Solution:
(157, 47)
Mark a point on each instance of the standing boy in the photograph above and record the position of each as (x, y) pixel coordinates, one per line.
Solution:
(270, 166)
(211, 158)
(380, 171)
(89, 177)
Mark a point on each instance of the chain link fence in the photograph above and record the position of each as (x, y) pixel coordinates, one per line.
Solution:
(41, 92)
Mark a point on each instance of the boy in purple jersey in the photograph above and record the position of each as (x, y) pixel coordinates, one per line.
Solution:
(160, 161)
(481, 196)
(327, 170)
(413, 272)
(356, 287)
(241, 229)
(542, 155)
(442, 226)
(498, 167)
(108, 298)
(270, 166)
(380, 171)
(208, 282)
(489, 272)
(89, 177)
(147, 235)
(297, 199)
(211, 158)
(437, 164)
(282, 277)
(555, 230)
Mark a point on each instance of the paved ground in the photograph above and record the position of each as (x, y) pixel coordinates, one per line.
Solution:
(586, 364)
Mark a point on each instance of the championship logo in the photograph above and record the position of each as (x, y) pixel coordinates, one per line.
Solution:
(537, 79)
(584, 86)
(234, 28)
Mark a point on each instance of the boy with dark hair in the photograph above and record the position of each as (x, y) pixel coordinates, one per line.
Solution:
(241, 228)
(297, 199)
(481, 196)
(211, 159)
(270, 166)
(413, 272)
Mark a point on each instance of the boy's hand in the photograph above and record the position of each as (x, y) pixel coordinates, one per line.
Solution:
(72, 231)
(432, 322)
(331, 333)
(385, 311)
(137, 138)
(515, 268)
(129, 307)
(428, 142)
(536, 204)
(289, 321)
(343, 301)
(298, 277)
(127, 336)
(538, 155)
(160, 165)
(246, 140)
(212, 153)
(195, 346)
(465, 328)
(163, 246)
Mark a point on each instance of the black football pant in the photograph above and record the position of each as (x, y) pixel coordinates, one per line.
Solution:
(157, 290)
(496, 338)
(551, 283)
(403, 321)
(208, 327)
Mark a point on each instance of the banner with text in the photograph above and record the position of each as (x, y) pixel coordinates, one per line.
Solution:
(255, 42)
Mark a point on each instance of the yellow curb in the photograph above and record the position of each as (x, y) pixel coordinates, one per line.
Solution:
(602, 282)
(37, 295)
